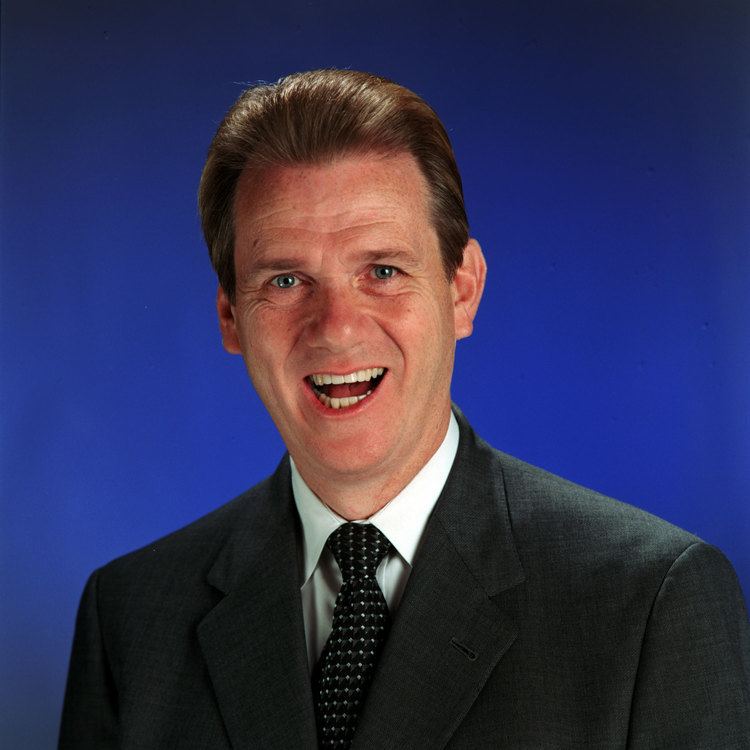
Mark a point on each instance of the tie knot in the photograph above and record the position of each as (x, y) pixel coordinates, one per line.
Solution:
(358, 549)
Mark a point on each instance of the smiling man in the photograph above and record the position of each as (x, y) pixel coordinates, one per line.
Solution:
(347, 319)
(396, 583)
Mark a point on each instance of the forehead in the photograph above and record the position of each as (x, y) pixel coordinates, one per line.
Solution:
(350, 191)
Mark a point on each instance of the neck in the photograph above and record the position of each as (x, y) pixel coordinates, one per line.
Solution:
(356, 496)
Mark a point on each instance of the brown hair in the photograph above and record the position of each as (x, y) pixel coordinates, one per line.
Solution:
(307, 118)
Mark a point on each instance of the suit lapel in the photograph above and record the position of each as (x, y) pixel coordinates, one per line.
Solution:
(253, 640)
(451, 629)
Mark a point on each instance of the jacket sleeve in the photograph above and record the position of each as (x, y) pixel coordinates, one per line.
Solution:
(89, 717)
(693, 684)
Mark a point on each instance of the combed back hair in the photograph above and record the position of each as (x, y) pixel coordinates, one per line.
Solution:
(313, 118)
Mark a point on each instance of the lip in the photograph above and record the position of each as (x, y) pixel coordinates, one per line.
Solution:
(349, 411)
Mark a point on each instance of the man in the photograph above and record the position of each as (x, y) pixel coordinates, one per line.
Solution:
(485, 603)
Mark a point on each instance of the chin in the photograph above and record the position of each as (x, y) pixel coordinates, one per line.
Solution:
(354, 464)
(347, 460)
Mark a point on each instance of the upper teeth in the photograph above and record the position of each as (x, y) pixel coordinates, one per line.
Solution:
(359, 376)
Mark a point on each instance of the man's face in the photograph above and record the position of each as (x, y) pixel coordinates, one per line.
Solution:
(339, 276)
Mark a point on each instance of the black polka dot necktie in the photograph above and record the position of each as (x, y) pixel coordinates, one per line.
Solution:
(360, 624)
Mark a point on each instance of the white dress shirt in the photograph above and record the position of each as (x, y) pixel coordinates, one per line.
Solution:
(402, 520)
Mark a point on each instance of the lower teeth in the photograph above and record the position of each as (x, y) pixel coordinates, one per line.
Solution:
(341, 403)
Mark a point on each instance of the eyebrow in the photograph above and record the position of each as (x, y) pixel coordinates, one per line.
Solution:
(288, 263)
(274, 264)
(375, 256)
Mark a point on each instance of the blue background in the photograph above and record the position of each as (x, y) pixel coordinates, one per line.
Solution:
(605, 148)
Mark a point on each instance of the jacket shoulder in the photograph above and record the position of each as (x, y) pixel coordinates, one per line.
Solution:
(558, 526)
(560, 523)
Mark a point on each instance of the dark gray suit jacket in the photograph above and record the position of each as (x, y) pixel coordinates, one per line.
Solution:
(538, 615)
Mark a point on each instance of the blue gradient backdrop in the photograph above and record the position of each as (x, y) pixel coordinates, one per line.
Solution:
(605, 148)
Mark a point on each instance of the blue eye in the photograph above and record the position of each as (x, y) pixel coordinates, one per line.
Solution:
(383, 273)
(284, 281)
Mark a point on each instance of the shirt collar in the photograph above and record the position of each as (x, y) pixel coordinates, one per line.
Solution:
(402, 520)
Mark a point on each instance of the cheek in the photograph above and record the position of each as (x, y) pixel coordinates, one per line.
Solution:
(422, 328)
(263, 328)
(270, 337)
(430, 315)
(259, 339)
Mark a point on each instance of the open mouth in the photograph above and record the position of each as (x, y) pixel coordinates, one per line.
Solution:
(343, 391)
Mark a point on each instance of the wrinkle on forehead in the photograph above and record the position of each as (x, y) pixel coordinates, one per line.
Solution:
(354, 202)
(301, 194)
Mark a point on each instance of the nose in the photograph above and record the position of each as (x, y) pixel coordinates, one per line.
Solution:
(336, 319)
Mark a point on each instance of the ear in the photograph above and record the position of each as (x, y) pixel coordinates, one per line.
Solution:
(227, 324)
(468, 285)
